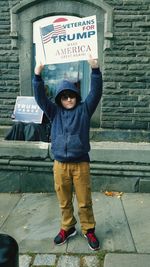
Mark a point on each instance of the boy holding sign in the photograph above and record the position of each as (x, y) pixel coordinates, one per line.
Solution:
(70, 146)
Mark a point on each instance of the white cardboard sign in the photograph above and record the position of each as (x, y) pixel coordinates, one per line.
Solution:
(65, 39)
(27, 110)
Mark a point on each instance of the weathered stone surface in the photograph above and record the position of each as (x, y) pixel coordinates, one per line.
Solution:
(110, 220)
(122, 224)
(34, 222)
(126, 260)
(24, 260)
(71, 261)
(117, 152)
(7, 204)
(90, 261)
(45, 260)
(23, 149)
(144, 185)
(9, 180)
(136, 208)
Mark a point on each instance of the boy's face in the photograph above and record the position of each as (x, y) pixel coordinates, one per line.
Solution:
(68, 99)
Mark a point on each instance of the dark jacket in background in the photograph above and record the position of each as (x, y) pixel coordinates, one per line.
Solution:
(23, 131)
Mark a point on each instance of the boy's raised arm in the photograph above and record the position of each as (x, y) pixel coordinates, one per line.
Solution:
(93, 63)
(95, 93)
(38, 69)
(39, 92)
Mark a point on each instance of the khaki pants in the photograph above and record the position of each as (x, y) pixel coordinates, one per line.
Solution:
(78, 174)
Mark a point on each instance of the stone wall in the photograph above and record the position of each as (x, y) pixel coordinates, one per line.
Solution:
(126, 71)
(28, 167)
(9, 65)
(126, 98)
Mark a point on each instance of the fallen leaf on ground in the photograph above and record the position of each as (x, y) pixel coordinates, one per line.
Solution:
(113, 194)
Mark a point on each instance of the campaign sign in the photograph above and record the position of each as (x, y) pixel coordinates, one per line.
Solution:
(27, 110)
(67, 39)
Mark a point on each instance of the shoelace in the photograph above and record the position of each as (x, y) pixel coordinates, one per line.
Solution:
(92, 237)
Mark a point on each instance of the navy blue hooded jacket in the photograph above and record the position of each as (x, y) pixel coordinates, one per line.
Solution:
(70, 127)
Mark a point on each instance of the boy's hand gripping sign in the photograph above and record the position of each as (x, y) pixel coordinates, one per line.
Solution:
(66, 39)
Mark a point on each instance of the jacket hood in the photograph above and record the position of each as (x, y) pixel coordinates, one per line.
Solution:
(66, 85)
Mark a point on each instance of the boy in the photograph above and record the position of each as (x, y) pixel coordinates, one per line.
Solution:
(70, 146)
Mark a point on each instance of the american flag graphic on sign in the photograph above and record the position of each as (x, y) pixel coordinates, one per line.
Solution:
(48, 32)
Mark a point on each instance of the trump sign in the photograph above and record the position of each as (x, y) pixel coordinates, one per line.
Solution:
(65, 39)
(27, 110)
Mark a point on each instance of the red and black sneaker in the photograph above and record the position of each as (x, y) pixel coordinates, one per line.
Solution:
(63, 235)
(92, 239)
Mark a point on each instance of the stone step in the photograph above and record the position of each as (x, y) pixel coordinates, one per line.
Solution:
(105, 135)
(28, 166)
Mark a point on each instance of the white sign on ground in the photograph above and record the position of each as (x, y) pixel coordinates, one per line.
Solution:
(27, 110)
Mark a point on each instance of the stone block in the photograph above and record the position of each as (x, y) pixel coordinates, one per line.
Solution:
(25, 260)
(144, 185)
(23, 149)
(72, 261)
(90, 261)
(102, 183)
(36, 182)
(136, 208)
(120, 152)
(44, 260)
(9, 181)
(126, 260)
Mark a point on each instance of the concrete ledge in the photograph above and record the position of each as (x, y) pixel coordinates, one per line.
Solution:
(104, 135)
(119, 135)
(144, 185)
(23, 149)
(100, 151)
(3, 130)
(120, 152)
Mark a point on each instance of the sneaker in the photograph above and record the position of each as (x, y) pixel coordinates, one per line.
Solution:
(92, 239)
(63, 235)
